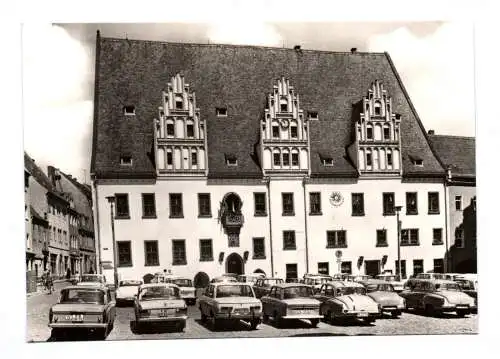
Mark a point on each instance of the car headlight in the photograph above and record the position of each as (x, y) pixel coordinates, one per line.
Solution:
(345, 308)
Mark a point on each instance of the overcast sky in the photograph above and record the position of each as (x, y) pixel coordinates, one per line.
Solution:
(434, 59)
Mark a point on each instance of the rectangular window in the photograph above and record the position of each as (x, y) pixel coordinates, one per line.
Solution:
(369, 133)
(411, 203)
(409, 237)
(403, 268)
(276, 132)
(170, 129)
(206, 250)
(284, 107)
(389, 159)
(176, 205)
(221, 111)
(287, 203)
(314, 203)
(437, 236)
(124, 254)
(260, 204)
(194, 159)
(125, 161)
(295, 159)
(323, 268)
(293, 132)
(433, 203)
(458, 203)
(190, 130)
(178, 105)
(459, 238)
(276, 159)
(233, 240)
(369, 160)
(286, 159)
(358, 204)
(381, 238)
(259, 250)
(204, 209)
(418, 266)
(336, 239)
(387, 133)
(148, 205)
(388, 204)
(313, 115)
(291, 272)
(439, 265)
(122, 210)
(178, 252)
(151, 253)
(289, 240)
(346, 267)
(170, 159)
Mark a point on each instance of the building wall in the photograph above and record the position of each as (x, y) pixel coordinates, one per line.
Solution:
(59, 245)
(361, 231)
(27, 218)
(465, 219)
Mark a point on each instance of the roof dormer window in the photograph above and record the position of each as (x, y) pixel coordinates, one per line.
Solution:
(129, 110)
(126, 160)
(312, 115)
(418, 162)
(221, 112)
(327, 161)
(231, 159)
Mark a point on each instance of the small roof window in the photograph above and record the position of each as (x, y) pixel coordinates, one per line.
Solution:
(231, 159)
(129, 110)
(126, 160)
(221, 111)
(417, 161)
(326, 159)
(312, 115)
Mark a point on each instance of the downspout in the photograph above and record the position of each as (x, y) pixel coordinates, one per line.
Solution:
(305, 224)
(97, 230)
(447, 253)
(268, 182)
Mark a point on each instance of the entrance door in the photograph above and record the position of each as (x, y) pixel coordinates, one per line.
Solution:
(234, 264)
(372, 268)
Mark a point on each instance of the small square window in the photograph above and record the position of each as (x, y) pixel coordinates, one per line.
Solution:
(170, 130)
(387, 133)
(293, 132)
(284, 107)
(286, 159)
(327, 161)
(276, 131)
(295, 159)
(129, 110)
(369, 133)
(323, 268)
(313, 115)
(221, 111)
(178, 105)
(276, 159)
(418, 162)
(190, 131)
(369, 160)
(126, 160)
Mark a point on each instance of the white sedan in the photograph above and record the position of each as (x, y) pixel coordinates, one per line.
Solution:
(127, 291)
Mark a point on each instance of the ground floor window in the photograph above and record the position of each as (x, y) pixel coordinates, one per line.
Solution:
(124, 254)
(439, 265)
(418, 266)
(346, 268)
(291, 272)
(403, 268)
(323, 268)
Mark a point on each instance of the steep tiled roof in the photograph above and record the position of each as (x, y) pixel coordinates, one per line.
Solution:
(457, 152)
(37, 173)
(133, 72)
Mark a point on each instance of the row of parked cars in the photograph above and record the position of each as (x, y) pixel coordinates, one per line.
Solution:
(254, 298)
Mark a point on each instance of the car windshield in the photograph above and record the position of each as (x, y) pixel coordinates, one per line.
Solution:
(321, 280)
(389, 278)
(130, 283)
(92, 278)
(183, 282)
(234, 291)
(270, 282)
(447, 286)
(297, 292)
(223, 279)
(84, 295)
(351, 290)
(159, 292)
(465, 284)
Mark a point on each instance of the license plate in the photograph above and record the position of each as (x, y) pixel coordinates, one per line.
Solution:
(462, 307)
(302, 311)
(167, 312)
(362, 315)
(75, 318)
(241, 310)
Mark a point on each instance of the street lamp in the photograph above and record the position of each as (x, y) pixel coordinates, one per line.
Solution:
(111, 200)
(398, 209)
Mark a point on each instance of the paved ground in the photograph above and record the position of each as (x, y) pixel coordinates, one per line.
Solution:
(409, 323)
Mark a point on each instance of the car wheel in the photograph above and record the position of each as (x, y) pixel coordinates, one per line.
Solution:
(278, 320)
(57, 334)
(181, 326)
(395, 314)
(462, 313)
(254, 324)
(215, 322)
(265, 318)
(330, 317)
(369, 320)
(429, 310)
(314, 323)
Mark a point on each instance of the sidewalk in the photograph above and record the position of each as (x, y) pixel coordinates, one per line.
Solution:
(40, 289)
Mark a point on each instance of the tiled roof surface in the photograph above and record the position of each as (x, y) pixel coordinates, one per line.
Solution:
(457, 152)
(37, 173)
(133, 72)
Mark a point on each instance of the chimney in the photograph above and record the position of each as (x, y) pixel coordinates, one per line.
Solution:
(430, 132)
(296, 47)
(353, 50)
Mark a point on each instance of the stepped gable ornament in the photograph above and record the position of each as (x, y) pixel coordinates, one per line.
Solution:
(336, 199)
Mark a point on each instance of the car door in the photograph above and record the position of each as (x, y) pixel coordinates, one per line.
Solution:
(267, 301)
(417, 294)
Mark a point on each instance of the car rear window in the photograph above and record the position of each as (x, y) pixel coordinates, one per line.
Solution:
(297, 292)
(83, 295)
(182, 282)
(234, 291)
(130, 283)
(159, 292)
(91, 278)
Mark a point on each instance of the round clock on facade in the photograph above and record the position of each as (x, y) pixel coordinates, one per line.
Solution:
(336, 199)
(284, 123)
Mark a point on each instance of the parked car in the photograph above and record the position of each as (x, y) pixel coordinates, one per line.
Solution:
(250, 278)
(127, 291)
(340, 276)
(87, 308)
(347, 300)
(383, 292)
(230, 301)
(469, 287)
(316, 281)
(393, 279)
(92, 280)
(74, 279)
(223, 279)
(263, 286)
(188, 291)
(159, 303)
(438, 296)
(439, 276)
(291, 301)
(357, 277)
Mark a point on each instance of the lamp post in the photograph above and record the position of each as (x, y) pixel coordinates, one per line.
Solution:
(398, 209)
(111, 200)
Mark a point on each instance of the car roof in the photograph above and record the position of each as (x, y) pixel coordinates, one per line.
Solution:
(436, 281)
(150, 285)
(339, 284)
(290, 285)
(271, 278)
(252, 275)
(88, 286)
(228, 283)
(374, 281)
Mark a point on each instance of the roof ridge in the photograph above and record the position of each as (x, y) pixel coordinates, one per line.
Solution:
(240, 46)
(455, 136)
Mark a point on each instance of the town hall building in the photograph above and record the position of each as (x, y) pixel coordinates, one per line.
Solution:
(209, 159)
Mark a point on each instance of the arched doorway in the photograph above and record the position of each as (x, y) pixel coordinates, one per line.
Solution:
(234, 264)
(201, 280)
(259, 271)
(147, 278)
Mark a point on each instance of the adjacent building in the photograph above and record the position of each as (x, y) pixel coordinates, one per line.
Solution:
(458, 155)
(224, 158)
